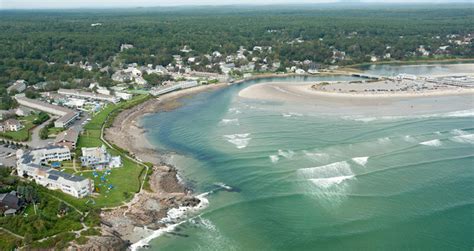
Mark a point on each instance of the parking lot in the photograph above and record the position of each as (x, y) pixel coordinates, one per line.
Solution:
(7, 155)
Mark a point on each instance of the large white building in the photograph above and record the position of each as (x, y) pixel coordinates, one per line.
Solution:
(88, 95)
(67, 116)
(30, 164)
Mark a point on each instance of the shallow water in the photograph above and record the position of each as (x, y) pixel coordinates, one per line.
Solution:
(305, 181)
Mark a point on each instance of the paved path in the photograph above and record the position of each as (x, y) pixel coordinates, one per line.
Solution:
(9, 232)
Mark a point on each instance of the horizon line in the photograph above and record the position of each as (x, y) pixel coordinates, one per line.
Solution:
(237, 5)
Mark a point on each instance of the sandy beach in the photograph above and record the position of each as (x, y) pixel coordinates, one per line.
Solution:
(357, 103)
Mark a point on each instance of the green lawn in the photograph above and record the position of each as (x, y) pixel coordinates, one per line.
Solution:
(45, 222)
(8, 241)
(23, 134)
(125, 180)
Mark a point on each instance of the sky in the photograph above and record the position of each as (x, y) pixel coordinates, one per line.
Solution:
(57, 4)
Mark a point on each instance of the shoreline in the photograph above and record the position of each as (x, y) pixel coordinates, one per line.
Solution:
(415, 62)
(144, 217)
(167, 200)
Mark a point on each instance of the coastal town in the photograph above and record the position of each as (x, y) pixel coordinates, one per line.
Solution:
(76, 170)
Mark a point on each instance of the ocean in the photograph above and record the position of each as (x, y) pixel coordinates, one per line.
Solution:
(281, 177)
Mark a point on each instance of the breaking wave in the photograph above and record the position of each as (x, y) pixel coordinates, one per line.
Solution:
(458, 132)
(465, 138)
(291, 114)
(327, 171)
(172, 220)
(239, 140)
(361, 160)
(274, 158)
(286, 154)
(434, 143)
(235, 111)
(229, 122)
(328, 182)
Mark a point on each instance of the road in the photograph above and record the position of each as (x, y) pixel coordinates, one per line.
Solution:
(36, 141)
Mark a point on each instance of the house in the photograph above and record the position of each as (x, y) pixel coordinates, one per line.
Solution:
(31, 164)
(12, 125)
(67, 138)
(126, 47)
(99, 158)
(18, 86)
(9, 203)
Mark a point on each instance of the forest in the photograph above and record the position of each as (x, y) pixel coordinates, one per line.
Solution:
(42, 45)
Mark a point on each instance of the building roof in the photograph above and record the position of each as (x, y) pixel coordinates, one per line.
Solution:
(9, 200)
(69, 135)
(68, 117)
(11, 122)
(40, 105)
(55, 174)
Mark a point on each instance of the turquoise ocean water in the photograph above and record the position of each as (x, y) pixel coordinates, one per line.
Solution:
(307, 181)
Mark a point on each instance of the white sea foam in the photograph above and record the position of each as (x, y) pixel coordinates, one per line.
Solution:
(171, 221)
(433, 143)
(274, 158)
(291, 114)
(235, 111)
(239, 140)
(384, 140)
(286, 154)
(211, 237)
(327, 171)
(229, 122)
(409, 138)
(328, 182)
(465, 138)
(458, 132)
(361, 160)
(461, 114)
(319, 157)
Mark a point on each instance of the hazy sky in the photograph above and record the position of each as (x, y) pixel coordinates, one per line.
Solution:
(34, 4)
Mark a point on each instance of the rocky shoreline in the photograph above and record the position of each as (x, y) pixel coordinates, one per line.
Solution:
(149, 209)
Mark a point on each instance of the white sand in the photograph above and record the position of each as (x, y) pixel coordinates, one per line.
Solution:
(349, 103)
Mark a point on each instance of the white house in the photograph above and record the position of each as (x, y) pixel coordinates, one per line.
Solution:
(12, 125)
(99, 158)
